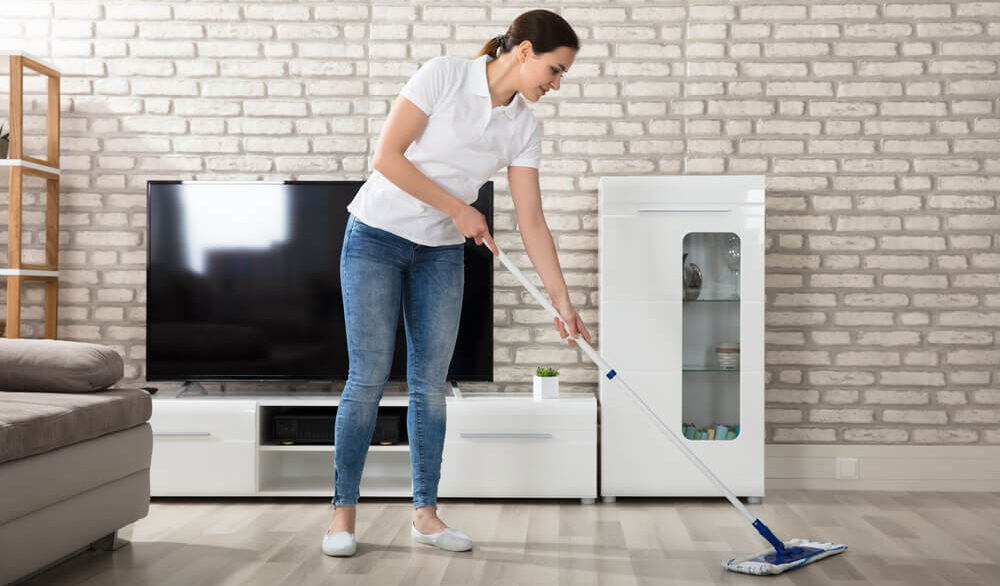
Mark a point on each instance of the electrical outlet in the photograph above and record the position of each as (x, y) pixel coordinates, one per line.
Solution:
(847, 469)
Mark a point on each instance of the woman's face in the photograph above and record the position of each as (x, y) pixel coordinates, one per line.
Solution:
(541, 73)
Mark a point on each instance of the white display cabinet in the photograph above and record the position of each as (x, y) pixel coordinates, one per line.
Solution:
(694, 354)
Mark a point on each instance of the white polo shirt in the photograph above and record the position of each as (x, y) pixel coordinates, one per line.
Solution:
(465, 142)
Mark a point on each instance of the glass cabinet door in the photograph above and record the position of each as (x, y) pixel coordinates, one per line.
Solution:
(710, 381)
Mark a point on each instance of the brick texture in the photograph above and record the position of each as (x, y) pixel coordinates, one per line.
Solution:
(876, 124)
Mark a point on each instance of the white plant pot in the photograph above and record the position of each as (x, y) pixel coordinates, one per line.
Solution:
(546, 387)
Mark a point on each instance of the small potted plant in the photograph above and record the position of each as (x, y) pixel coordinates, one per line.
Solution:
(546, 384)
(4, 139)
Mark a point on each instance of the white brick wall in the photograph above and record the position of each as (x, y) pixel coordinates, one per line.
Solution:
(877, 125)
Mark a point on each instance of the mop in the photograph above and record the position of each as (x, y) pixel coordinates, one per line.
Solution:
(787, 555)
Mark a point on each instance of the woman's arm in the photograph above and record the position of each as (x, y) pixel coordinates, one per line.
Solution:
(527, 196)
(405, 123)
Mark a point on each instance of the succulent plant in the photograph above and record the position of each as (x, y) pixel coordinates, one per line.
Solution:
(542, 371)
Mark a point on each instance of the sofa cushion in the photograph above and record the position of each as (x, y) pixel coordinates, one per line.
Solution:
(57, 366)
(34, 423)
(33, 483)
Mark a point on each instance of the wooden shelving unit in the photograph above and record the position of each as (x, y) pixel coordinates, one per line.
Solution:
(20, 164)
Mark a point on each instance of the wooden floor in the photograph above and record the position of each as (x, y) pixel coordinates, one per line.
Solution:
(893, 538)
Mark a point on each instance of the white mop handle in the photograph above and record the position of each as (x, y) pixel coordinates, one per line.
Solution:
(606, 369)
(551, 309)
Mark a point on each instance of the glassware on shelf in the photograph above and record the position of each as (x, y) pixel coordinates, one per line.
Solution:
(733, 262)
(729, 355)
(692, 279)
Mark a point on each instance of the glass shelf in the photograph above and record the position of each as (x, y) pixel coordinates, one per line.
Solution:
(725, 300)
(709, 369)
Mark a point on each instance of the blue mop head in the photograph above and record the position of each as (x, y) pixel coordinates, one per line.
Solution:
(796, 553)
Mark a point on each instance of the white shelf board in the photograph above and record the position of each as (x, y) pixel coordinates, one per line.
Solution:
(27, 273)
(29, 164)
(330, 449)
(326, 399)
(332, 399)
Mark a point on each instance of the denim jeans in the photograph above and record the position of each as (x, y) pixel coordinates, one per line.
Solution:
(377, 270)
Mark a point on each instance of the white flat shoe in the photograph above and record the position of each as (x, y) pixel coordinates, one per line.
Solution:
(340, 544)
(449, 539)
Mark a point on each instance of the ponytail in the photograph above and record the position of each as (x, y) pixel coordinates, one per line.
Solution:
(494, 47)
(546, 30)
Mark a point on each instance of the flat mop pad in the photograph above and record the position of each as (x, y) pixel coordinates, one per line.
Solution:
(796, 553)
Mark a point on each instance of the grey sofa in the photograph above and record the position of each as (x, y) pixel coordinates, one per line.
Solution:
(74, 466)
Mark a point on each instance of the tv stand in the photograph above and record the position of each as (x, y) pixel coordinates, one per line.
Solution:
(190, 385)
(497, 445)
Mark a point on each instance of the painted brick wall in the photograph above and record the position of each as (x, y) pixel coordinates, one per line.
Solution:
(877, 125)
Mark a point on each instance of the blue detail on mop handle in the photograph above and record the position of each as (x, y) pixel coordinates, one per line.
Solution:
(611, 374)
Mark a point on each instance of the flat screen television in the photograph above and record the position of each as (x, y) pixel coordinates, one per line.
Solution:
(243, 283)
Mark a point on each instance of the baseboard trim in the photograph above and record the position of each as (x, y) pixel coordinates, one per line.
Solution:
(890, 468)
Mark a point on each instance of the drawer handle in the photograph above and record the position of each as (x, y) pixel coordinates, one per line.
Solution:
(645, 210)
(181, 433)
(500, 434)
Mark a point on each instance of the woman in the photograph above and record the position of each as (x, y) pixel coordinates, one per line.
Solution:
(455, 124)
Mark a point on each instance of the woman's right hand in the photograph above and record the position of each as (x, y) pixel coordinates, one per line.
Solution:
(572, 319)
(472, 224)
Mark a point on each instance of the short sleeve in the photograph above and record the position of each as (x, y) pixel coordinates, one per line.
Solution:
(531, 154)
(426, 87)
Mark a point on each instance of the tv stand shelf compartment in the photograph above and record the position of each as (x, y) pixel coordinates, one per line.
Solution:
(496, 446)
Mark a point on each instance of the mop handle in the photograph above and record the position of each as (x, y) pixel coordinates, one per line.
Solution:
(610, 373)
(551, 309)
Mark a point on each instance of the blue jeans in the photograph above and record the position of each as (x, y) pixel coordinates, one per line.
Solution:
(377, 269)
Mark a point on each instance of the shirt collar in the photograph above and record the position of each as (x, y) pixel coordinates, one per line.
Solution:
(478, 84)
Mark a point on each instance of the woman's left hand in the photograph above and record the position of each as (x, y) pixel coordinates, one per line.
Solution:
(572, 319)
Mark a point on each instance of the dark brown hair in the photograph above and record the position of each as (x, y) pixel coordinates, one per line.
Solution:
(546, 30)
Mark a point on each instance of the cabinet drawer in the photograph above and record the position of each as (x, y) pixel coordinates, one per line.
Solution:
(203, 448)
(226, 420)
(557, 464)
(520, 415)
(182, 467)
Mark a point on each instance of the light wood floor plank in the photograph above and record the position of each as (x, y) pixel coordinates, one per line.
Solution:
(932, 539)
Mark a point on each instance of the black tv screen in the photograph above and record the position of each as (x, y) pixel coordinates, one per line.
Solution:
(243, 283)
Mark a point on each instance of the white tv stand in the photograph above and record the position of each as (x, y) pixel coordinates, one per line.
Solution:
(496, 446)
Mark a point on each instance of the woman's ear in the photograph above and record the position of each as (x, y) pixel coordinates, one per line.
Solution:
(523, 51)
